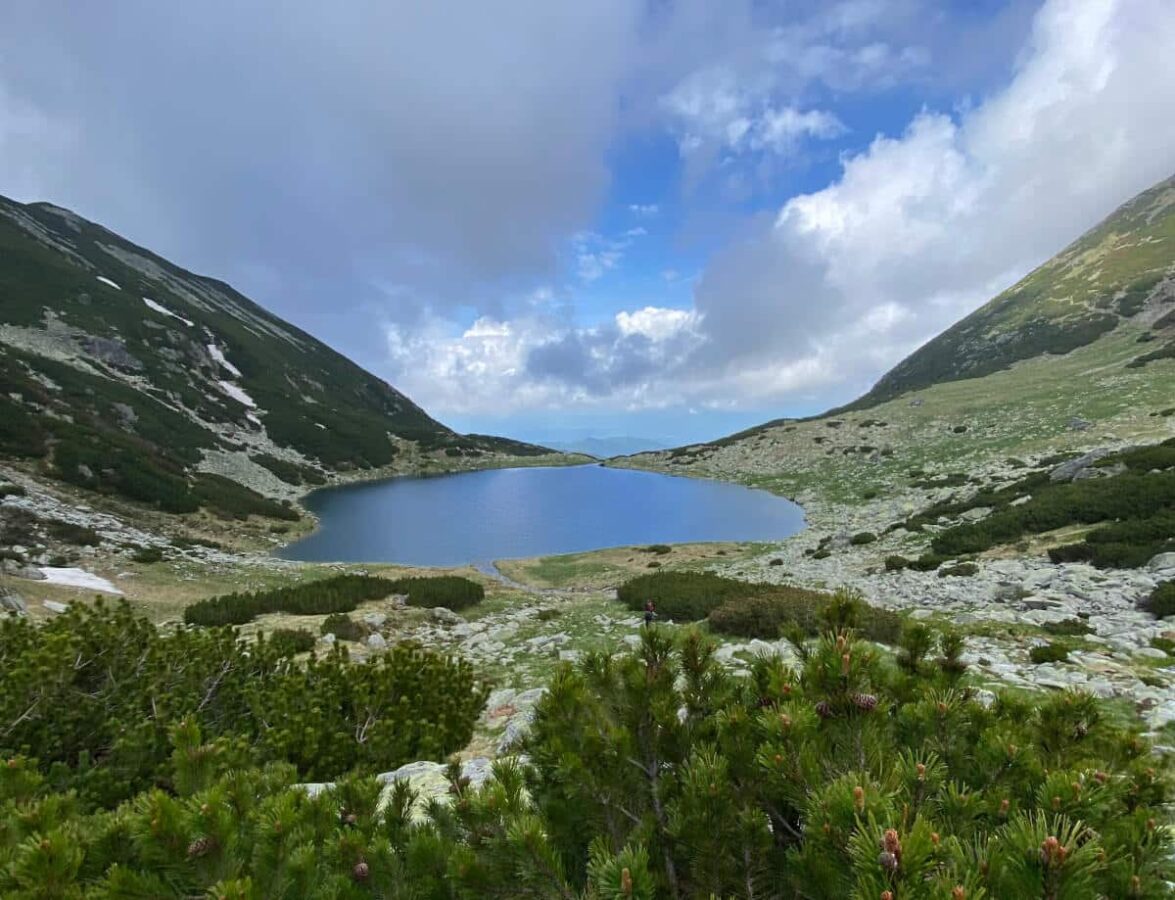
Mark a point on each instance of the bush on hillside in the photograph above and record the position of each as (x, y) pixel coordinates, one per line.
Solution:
(1138, 504)
(959, 570)
(94, 691)
(11, 490)
(655, 774)
(895, 563)
(862, 537)
(340, 593)
(78, 535)
(290, 641)
(148, 555)
(743, 609)
(682, 596)
(343, 627)
(450, 591)
(1048, 653)
(1161, 602)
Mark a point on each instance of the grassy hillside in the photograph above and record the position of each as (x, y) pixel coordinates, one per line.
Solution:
(122, 372)
(1119, 271)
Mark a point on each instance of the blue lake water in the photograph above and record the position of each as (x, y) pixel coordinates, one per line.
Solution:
(478, 517)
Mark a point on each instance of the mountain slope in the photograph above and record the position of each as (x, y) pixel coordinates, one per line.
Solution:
(125, 373)
(1080, 353)
(1120, 270)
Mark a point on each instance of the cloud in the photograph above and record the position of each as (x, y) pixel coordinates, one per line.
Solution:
(643, 209)
(716, 109)
(817, 300)
(442, 150)
(923, 227)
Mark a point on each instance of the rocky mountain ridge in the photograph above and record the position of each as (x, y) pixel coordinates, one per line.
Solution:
(125, 374)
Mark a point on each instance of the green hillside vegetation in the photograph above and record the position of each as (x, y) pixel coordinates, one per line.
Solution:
(1133, 511)
(94, 693)
(654, 774)
(1107, 275)
(743, 609)
(336, 594)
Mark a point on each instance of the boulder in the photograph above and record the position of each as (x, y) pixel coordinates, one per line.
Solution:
(376, 641)
(446, 616)
(375, 619)
(1068, 471)
(12, 602)
(1161, 562)
(54, 607)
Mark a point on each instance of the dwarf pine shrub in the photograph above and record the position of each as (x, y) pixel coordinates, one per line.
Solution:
(339, 593)
(93, 692)
(653, 774)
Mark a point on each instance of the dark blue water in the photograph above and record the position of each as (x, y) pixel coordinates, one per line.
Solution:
(477, 517)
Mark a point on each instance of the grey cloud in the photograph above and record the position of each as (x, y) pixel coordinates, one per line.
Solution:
(345, 148)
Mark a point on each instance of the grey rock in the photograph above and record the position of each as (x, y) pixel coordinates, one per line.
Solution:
(1151, 653)
(375, 619)
(446, 616)
(12, 602)
(328, 639)
(54, 607)
(529, 698)
(1161, 561)
(112, 352)
(376, 641)
(1067, 471)
(1078, 424)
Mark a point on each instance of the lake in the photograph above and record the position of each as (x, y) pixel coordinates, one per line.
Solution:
(478, 517)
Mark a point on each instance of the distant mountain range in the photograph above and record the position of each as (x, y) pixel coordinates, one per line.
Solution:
(122, 372)
(607, 447)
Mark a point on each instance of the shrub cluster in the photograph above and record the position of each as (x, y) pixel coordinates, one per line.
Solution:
(1161, 602)
(765, 611)
(291, 641)
(1138, 505)
(339, 593)
(343, 627)
(289, 472)
(862, 537)
(93, 692)
(657, 774)
(148, 555)
(450, 591)
(959, 570)
(1048, 653)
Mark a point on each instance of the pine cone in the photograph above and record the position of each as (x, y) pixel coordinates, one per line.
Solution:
(864, 702)
(202, 846)
(361, 872)
(887, 861)
(824, 709)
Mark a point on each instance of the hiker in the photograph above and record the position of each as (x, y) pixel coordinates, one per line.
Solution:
(650, 612)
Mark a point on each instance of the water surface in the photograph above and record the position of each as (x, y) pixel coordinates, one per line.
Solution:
(477, 517)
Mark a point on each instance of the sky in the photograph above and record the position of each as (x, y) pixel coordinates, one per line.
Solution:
(669, 219)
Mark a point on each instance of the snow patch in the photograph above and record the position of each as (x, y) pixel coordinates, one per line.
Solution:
(320, 425)
(160, 308)
(235, 391)
(106, 280)
(252, 418)
(80, 578)
(217, 354)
